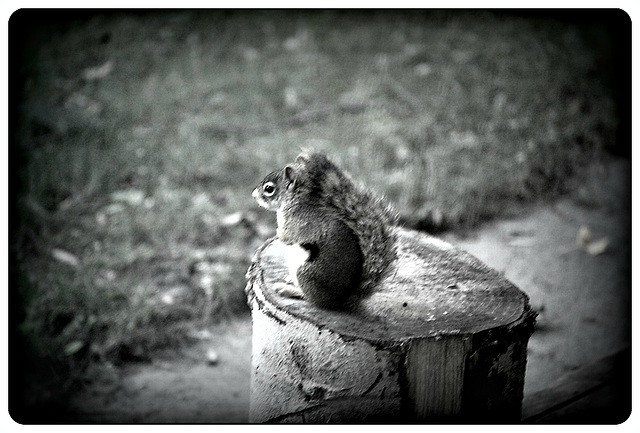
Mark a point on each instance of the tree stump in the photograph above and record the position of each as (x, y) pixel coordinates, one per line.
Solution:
(442, 339)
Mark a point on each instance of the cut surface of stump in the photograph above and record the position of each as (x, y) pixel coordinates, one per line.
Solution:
(443, 337)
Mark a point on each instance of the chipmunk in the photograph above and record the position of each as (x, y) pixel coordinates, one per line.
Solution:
(341, 236)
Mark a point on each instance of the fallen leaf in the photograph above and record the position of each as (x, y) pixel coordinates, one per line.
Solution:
(133, 197)
(212, 357)
(65, 257)
(231, 219)
(584, 236)
(597, 247)
(98, 72)
(73, 347)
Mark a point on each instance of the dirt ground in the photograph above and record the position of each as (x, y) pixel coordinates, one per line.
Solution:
(583, 299)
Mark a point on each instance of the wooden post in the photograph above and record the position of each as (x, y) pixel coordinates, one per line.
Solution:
(442, 339)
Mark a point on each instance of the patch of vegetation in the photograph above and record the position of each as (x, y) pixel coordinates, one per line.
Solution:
(138, 137)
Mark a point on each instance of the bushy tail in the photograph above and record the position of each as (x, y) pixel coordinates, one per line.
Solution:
(371, 219)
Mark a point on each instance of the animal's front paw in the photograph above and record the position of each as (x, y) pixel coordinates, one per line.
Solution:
(288, 290)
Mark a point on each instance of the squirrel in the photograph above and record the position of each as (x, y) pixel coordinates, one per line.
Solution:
(343, 235)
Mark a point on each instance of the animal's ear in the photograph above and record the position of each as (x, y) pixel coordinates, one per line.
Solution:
(290, 175)
(303, 158)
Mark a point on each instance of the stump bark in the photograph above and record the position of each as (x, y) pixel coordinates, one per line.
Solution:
(443, 338)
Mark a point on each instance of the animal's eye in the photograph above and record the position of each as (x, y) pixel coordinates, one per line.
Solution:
(269, 188)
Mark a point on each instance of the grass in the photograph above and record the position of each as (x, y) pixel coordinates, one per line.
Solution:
(138, 138)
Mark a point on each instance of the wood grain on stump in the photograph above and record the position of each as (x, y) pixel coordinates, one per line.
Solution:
(442, 338)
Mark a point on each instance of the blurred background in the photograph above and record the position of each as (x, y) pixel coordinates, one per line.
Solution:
(136, 139)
